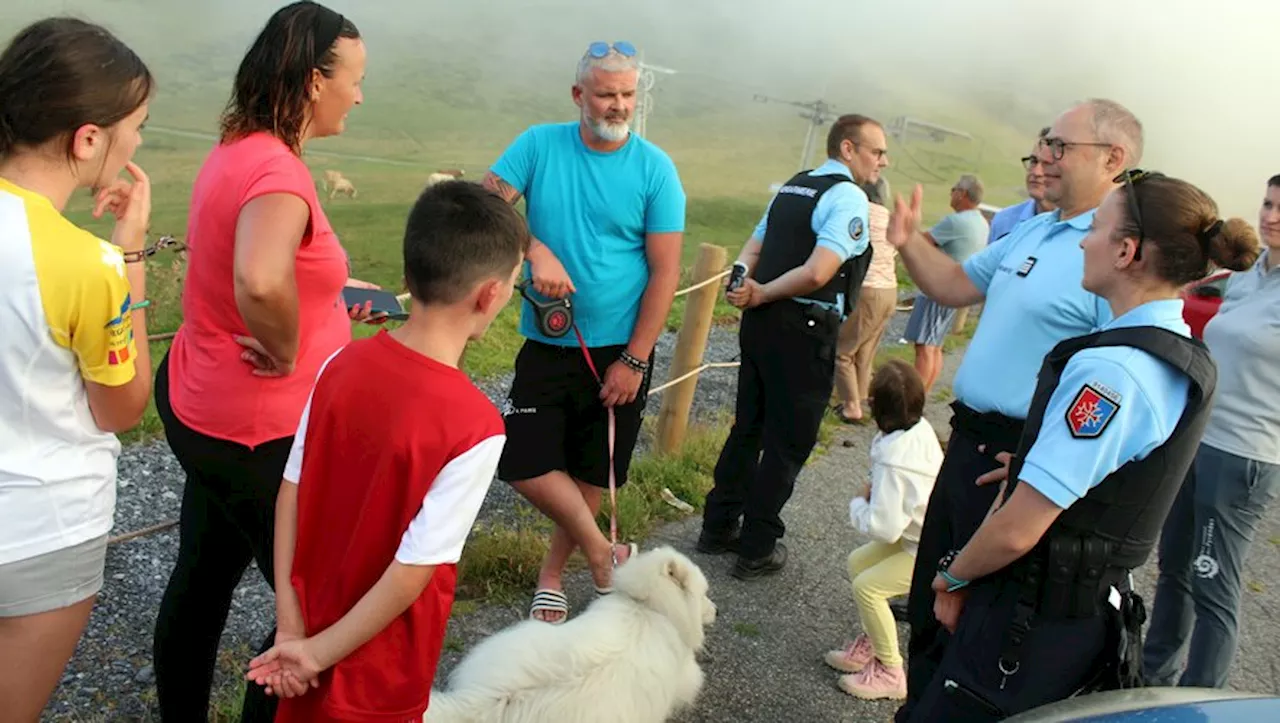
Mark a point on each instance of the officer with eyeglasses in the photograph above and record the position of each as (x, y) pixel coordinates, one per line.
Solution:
(1030, 283)
(797, 279)
(1041, 601)
(1006, 219)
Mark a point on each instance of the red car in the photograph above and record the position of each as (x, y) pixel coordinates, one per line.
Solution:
(1201, 299)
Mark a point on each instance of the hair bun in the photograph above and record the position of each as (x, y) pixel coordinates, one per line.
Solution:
(1232, 244)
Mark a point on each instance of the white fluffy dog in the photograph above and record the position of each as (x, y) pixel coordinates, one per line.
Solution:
(629, 658)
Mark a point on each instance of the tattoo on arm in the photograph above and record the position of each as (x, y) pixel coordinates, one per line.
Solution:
(505, 190)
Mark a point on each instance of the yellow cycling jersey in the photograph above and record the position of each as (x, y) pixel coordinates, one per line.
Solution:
(64, 320)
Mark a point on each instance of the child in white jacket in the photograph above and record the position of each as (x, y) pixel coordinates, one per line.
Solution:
(905, 458)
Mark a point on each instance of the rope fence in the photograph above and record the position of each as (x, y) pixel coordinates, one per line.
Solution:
(695, 372)
(703, 283)
(673, 418)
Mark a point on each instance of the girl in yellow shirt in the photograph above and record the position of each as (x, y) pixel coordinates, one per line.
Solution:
(74, 364)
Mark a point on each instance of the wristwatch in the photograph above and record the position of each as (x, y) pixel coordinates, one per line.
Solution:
(953, 583)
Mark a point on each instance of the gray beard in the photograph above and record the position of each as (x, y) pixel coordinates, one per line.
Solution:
(611, 132)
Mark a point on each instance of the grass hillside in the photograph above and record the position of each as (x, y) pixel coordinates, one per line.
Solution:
(436, 97)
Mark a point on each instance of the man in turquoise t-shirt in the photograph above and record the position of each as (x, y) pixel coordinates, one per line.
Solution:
(607, 211)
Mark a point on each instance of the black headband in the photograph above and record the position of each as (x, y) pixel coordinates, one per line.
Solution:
(1206, 236)
(325, 28)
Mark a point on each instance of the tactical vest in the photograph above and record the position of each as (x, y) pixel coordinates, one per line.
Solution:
(789, 240)
(1116, 524)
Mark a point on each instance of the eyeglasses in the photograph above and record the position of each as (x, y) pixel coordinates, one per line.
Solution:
(879, 152)
(1058, 147)
(1131, 178)
(1029, 162)
(599, 49)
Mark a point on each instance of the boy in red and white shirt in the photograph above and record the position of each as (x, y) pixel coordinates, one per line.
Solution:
(393, 456)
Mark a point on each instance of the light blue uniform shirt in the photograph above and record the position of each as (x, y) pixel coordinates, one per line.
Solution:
(593, 210)
(840, 218)
(1007, 218)
(1122, 403)
(1034, 299)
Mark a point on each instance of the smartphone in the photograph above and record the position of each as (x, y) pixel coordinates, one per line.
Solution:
(384, 302)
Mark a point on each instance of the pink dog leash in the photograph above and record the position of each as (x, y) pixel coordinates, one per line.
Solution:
(613, 482)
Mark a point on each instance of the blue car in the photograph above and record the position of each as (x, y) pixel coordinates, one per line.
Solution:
(1159, 705)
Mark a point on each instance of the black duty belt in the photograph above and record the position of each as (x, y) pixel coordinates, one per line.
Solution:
(1070, 577)
(992, 428)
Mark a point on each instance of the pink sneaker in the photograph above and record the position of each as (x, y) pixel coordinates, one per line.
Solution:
(854, 657)
(876, 681)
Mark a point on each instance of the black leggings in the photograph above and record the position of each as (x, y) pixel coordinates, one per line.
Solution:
(228, 519)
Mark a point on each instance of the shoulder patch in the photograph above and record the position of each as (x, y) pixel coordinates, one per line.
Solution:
(1091, 412)
(856, 228)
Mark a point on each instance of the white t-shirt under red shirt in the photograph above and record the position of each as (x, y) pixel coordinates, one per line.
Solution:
(393, 456)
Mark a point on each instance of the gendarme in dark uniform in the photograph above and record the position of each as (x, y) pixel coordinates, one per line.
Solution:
(788, 362)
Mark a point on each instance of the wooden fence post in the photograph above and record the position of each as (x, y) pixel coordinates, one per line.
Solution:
(691, 344)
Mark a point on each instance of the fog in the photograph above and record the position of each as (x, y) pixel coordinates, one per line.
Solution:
(1196, 73)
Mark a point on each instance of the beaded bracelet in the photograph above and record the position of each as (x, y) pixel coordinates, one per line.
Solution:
(633, 363)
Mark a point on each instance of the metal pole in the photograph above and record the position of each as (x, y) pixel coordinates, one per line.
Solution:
(808, 144)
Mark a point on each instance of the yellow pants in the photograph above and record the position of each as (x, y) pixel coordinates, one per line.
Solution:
(879, 572)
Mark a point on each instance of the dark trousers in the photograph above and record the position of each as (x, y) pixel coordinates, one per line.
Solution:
(227, 519)
(784, 384)
(1056, 659)
(957, 507)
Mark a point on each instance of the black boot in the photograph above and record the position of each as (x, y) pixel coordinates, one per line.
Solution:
(749, 569)
(712, 544)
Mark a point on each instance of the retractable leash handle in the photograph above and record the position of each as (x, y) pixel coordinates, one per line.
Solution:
(553, 317)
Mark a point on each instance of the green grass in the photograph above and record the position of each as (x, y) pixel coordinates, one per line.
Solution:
(500, 562)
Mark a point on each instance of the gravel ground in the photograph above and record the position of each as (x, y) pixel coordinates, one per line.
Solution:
(111, 677)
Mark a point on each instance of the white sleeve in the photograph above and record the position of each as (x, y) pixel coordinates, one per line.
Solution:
(293, 467)
(439, 530)
(884, 519)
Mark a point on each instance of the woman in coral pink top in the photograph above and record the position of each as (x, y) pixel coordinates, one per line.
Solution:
(262, 309)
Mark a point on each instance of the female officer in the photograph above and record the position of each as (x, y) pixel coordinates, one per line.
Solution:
(1038, 600)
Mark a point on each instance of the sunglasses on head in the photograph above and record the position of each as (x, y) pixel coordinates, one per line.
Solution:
(1131, 178)
(599, 49)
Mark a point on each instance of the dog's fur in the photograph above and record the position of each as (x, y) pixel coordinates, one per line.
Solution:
(629, 658)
